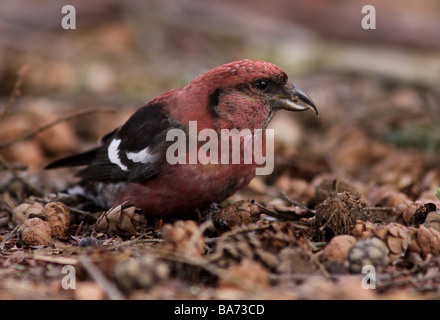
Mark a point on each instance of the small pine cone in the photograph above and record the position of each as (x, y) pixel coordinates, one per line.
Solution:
(26, 211)
(233, 249)
(182, 236)
(405, 211)
(362, 230)
(334, 255)
(240, 212)
(35, 232)
(413, 213)
(322, 190)
(338, 213)
(282, 240)
(425, 241)
(371, 252)
(433, 220)
(121, 220)
(397, 238)
(280, 235)
(429, 240)
(58, 215)
(140, 273)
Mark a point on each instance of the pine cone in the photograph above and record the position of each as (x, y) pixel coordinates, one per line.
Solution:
(424, 241)
(338, 213)
(41, 223)
(334, 255)
(121, 220)
(240, 212)
(396, 237)
(433, 220)
(368, 252)
(405, 211)
(413, 213)
(238, 247)
(35, 232)
(265, 246)
(58, 215)
(322, 190)
(26, 211)
(280, 235)
(180, 237)
(363, 230)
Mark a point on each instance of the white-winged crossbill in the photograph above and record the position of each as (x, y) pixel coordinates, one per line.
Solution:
(130, 165)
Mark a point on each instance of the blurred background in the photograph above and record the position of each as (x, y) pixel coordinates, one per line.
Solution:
(376, 90)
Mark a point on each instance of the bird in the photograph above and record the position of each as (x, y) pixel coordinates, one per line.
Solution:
(130, 164)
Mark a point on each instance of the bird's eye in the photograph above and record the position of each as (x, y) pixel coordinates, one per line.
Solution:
(261, 84)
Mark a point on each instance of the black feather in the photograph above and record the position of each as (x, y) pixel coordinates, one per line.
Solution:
(75, 160)
(213, 101)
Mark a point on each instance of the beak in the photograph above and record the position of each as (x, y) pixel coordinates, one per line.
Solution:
(295, 99)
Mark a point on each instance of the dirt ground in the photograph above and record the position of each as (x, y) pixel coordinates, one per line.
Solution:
(356, 187)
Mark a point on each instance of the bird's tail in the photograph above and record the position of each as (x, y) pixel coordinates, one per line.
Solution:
(75, 160)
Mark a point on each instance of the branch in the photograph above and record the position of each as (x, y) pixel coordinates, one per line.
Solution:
(70, 116)
(96, 274)
(296, 203)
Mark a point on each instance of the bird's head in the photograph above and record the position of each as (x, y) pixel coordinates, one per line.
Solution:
(242, 94)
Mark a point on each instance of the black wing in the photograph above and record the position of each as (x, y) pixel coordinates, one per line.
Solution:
(133, 152)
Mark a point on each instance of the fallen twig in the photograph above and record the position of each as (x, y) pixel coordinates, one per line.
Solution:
(139, 240)
(316, 262)
(296, 203)
(284, 216)
(68, 117)
(54, 259)
(96, 274)
(7, 237)
(380, 209)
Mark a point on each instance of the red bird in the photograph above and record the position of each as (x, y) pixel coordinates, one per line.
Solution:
(131, 166)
